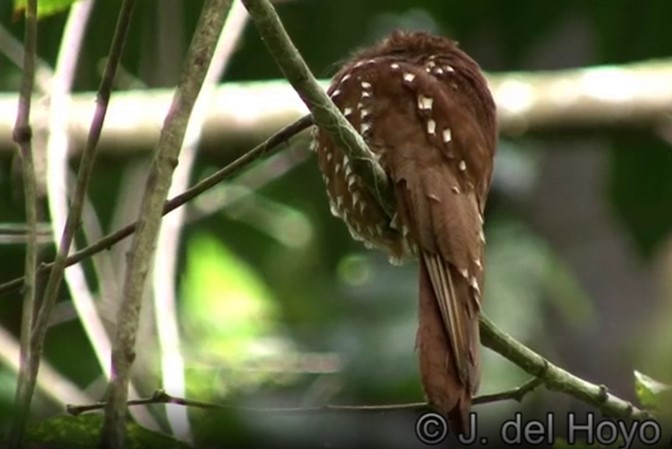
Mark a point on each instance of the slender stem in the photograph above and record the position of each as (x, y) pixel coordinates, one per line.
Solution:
(161, 397)
(86, 167)
(165, 263)
(554, 377)
(23, 137)
(324, 111)
(268, 147)
(58, 145)
(199, 56)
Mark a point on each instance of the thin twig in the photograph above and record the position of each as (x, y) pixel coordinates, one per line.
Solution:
(325, 113)
(23, 137)
(268, 147)
(161, 397)
(554, 377)
(39, 330)
(57, 181)
(197, 62)
(165, 263)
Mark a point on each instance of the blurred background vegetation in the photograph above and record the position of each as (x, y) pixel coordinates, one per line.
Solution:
(278, 306)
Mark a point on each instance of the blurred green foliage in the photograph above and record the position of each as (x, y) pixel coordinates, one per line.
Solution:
(272, 279)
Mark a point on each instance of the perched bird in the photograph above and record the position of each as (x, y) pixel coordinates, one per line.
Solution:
(426, 113)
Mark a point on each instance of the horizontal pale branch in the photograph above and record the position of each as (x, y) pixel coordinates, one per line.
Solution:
(637, 94)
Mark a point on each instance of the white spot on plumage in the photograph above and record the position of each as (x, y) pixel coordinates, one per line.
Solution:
(345, 77)
(449, 68)
(355, 199)
(438, 71)
(404, 230)
(347, 112)
(425, 103)
(364, 127)
(447, 135)
(329, 156)
(351, 181)
(348, 170)
(480, 218)
(462, 165)
(313, 145)
(455, 189)
(478, 264)
(362, 206)
(465, 273)
(339, 201)
(474, 284)
(336, 93)
(365, 85)
(394, 66)
(394, 223)
(337, 168)
(361, 63)
(481, 235)
(366, 94)
(431, 127)
(333, 210)
(433, 197)
(409, 77)
(431, 64)
(365, 113)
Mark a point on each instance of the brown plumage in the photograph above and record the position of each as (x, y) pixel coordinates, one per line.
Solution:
(425, 110)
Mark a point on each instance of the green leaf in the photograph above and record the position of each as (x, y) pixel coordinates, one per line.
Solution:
(83, 431)
(229, 317)
(652, 393)
(45, 7)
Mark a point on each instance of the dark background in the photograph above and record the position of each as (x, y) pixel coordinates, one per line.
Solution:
(279, 307)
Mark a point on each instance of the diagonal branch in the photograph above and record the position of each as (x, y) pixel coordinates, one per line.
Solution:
(324, 111)
(268, 147)
(164, 272)
(198, 59)
(554, 377)
(38, 332)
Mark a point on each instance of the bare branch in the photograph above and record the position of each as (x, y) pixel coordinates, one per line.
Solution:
(22, 135)
(601, 97)
(554, 377)
(198, 59)
(161, 397)
(165, 263)
(324, 111)
(268, 147)
(38, 332)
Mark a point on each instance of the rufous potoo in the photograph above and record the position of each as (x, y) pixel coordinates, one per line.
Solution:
(426, 113)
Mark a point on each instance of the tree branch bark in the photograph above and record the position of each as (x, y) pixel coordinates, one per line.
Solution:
(197, 62)
(636, 95)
